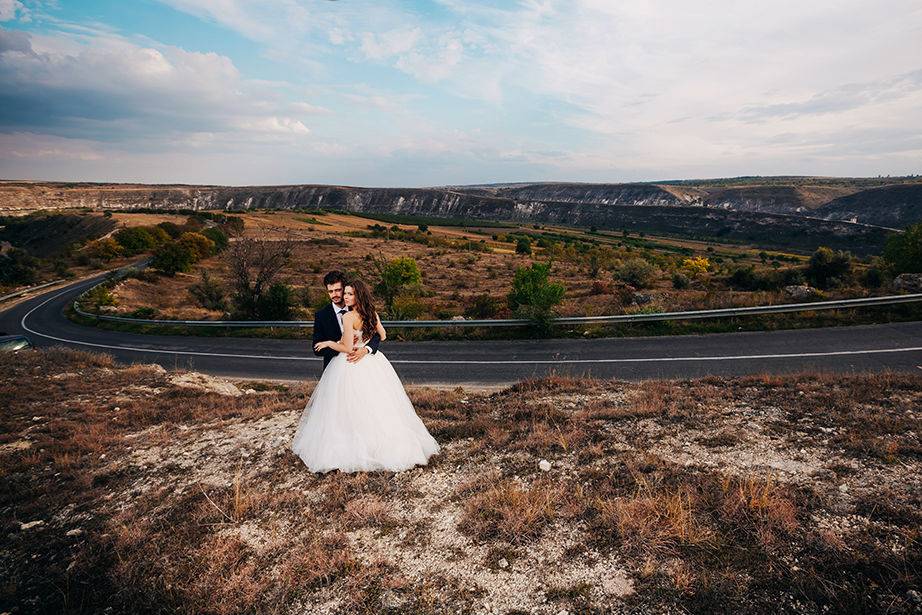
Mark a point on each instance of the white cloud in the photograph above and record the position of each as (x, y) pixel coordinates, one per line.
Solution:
(106, 87)
(10, 8)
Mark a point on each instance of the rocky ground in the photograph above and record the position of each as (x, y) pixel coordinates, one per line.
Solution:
(130, 489)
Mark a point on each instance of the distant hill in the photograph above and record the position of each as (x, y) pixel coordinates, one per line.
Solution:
(893, 206)
(791, 212)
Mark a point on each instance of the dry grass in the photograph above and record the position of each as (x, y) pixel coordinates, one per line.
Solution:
(510, 512)
(716, 494)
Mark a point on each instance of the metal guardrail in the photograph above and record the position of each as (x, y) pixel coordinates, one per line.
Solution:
(25, 291)
(509, 322)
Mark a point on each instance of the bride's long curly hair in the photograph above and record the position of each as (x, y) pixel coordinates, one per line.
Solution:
(365, 306)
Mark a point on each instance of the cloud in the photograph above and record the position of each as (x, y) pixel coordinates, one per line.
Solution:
(10, 8)
(108, 88)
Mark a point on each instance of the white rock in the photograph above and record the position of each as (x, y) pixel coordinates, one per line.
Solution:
(116, 409)
(30, 525)
(545, 465)
(74, 532)
(843, 488)
(250, 391)
(503, 563)
(203, 382)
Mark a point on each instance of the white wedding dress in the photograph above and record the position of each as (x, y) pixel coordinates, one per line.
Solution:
(359, 418)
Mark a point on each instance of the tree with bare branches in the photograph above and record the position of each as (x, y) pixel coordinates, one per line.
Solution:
(255, 264)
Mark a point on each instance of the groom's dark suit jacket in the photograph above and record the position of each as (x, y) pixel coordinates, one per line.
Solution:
(326, 329)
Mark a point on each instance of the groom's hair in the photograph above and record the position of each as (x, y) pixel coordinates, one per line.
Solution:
(333, 277)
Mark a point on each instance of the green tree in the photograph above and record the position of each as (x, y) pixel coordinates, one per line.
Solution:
(218, 236)
(17, 267)
(523, 246)
(394, 277)
(534, 297)
(829, 267)
(637, 272)
(172, 257)
(199, 245)
(277, 303)
(135, 240)
(903, 251)
(104, 249)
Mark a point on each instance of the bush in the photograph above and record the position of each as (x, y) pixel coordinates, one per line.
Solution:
(277, 303)
(533, 296)
(482, 306)
(394, 277)
(136, 240)
(99, 296)
(828, 268)
(145, 312)
(695, 267)
(104, 249)
(523, 246)
(637, 272)
(171, 229)
(218, 236)
(17, 267)
(872, 278)
(199, 245)
(903, 252)
(208, 293)
(406, 307)
(173, 257)
(680, 281)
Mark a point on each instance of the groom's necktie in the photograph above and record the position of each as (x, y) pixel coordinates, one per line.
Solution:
(339, 316)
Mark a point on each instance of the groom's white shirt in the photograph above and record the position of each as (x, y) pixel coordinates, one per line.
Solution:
(339, 317)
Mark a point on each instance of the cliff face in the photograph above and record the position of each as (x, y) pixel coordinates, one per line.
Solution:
(771, 215)
(890, 206)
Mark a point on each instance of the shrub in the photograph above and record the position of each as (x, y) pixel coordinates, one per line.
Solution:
(173, 257)
(17, 267)
(136, 240)
(828, 268)
(695, 267)
(482, 306)
(873, 278)
(218, 236)
(104, 249)
(277, 303)
(533, 296)
(394, 277)
(199, 245)
(680, 281)
(903, 252)
(145, 312)
(637, 272)
(171, 229)
(406, 307)
(99, 296)
(208, 293)
(523, 246)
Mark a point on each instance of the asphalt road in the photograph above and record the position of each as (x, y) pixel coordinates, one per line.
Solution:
(896, 346)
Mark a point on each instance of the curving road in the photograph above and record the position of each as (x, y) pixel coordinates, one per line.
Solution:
(896, 346)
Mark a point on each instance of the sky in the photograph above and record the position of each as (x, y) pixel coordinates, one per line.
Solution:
(413, 93)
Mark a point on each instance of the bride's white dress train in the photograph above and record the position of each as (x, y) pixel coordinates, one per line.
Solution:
(359, 418)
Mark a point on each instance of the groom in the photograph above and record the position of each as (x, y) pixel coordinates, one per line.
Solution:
(328, 322)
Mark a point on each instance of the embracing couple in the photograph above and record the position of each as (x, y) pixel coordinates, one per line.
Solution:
(359, 417)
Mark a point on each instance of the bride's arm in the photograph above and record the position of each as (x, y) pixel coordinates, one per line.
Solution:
(380, 328)
(345, 343)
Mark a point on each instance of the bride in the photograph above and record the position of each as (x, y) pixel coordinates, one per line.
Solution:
(359, 417)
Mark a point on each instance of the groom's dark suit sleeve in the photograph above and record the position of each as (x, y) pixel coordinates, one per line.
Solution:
(323, 334)
(374, 342)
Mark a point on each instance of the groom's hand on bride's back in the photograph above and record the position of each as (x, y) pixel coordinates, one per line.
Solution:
(358, 354)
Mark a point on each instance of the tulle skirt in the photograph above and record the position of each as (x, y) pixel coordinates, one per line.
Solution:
(359, 418)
